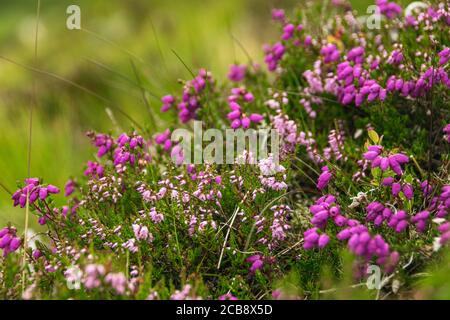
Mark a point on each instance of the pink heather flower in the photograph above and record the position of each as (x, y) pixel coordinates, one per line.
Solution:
(256, 118)
(155, 216)
(130, 244)
(118, 282)
(141, 233)
(374, 152)
(93, 274)
(69, 188)
(399, 221)
(227, 296)
(323, 241)
(183, 294)
(9, 242)
(324, 178)
(377, 213)
(447, 132)
(273, 55)
(393, 162)
(34, 191)
(356, 55)
(408, 191)
(444, 56)
(313, 239)
(168, 101)
(330, 53)
(103, 142)
(395, 58)
(324, 209)
(36, 254)
(396, 188)
(278, 15)
(163, 139)
(191, 97)
(420, 220)
(236, 124)
(288, 31)
(410, 21)
(256, 261)
(42, 220)
(94, 170)
(272, 174)
(177, 155)
(308, 41)
(388, 181)
(123, 139)
(52, 189)
(444, 230)
(361, 243)
(237, 72)
(389, 9)
(426, 188)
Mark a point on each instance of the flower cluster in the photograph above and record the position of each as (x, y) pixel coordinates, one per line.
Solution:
(9, 242)
(366, 246)
(237, 72)
(136, 218)
(393, 161)
(272, 174)
(389, 9)
(313, 239)
(273, 55)
(324, 209)
(33, 191)
(237, 117)
(191, 97)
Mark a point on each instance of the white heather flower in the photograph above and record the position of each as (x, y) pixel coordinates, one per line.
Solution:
(437, 244)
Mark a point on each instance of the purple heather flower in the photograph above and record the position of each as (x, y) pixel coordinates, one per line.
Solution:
(36, 254)
(103, 142)
(9, 242)
(256, 261)
(256, 118)
(313, 239)
(34, 191)
(356, 55)
(227, 296)
(324, 178)
(389, 9)
(69, 188)
(288, 31)
(330, 53)
(278, 15)
(308, 41)
(420, 220)
(323, 241)
(444, 56)
(94, 170)
(273, 55)
(237, 72)
(399, 221)
(447, 132)
(168, 101)
(395, 58)
(388, 181)
(408, 191)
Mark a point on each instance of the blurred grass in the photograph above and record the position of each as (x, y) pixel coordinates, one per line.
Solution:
(96, 58)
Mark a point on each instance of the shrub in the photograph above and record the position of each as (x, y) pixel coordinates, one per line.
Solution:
(363, 178)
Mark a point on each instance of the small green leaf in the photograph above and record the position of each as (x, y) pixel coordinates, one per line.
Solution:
(373, 135)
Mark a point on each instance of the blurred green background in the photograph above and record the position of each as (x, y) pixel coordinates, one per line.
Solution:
(115, 34)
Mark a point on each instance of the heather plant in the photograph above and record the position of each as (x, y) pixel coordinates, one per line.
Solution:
(362, 180)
